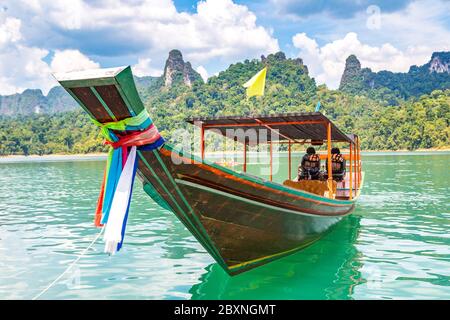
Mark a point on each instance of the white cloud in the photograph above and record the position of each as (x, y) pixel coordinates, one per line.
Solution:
(425, 22)
(202, 71)
(71, 60)
(326, 63)
(144, 68)
(219, 32)
(226, 29)
(219, 28)
(23, 66)
(20, 66)
(9, 30)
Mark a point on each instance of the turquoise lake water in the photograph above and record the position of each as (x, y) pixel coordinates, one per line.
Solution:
(396, 244)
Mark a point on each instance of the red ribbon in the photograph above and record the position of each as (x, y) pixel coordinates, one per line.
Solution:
(137, 138)
(98, 210)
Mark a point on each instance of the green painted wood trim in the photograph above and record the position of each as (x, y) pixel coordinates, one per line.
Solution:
(170, 195)
(151, 191)
(191, 227)
(163, 185)
(128, 91)
(88, 82)
(97, 95)
(191, 211)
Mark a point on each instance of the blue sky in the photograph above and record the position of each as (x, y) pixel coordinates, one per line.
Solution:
(38, 37)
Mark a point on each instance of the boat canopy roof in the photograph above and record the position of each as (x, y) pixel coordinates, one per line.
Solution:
(290, 126)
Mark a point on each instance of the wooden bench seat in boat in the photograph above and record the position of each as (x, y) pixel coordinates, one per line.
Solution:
(313, 186)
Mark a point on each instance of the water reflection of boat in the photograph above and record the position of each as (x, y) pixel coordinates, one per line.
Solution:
(329, 269)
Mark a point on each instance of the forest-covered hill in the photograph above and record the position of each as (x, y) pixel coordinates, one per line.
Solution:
(384, 121)
(389, 88)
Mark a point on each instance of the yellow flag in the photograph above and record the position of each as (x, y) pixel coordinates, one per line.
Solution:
(255, 86)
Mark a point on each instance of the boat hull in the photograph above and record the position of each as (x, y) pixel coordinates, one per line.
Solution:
(243, 222)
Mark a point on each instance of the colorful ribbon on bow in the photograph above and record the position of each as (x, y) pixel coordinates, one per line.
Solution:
(124, 137)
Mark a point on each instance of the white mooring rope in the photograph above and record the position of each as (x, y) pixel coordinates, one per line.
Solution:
(69, 267)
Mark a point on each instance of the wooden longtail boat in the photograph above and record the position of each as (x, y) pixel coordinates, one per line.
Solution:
(243, 221)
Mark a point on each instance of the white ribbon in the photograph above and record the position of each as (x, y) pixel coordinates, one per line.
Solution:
(113, 229)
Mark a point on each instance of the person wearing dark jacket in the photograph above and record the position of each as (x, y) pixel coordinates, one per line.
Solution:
(337, 164)
(309, 168)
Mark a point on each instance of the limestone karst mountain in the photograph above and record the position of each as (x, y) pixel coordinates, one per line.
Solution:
(177, 70)
(419, 80)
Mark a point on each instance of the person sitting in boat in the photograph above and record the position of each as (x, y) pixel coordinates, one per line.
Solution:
(309, 168)
(337, 164)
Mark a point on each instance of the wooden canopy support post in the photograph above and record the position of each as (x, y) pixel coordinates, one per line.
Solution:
(330, 172)
(202, 142)
(245, 156)
(271, 160)
(355, 168)
(351, 173)
(289, 161)
(357, 164)
(359, 161)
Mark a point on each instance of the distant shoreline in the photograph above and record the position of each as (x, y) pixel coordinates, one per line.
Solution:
(97, 156)
(445, 149)
(53, 157)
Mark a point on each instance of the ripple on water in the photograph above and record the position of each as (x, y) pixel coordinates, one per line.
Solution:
(396, 245)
